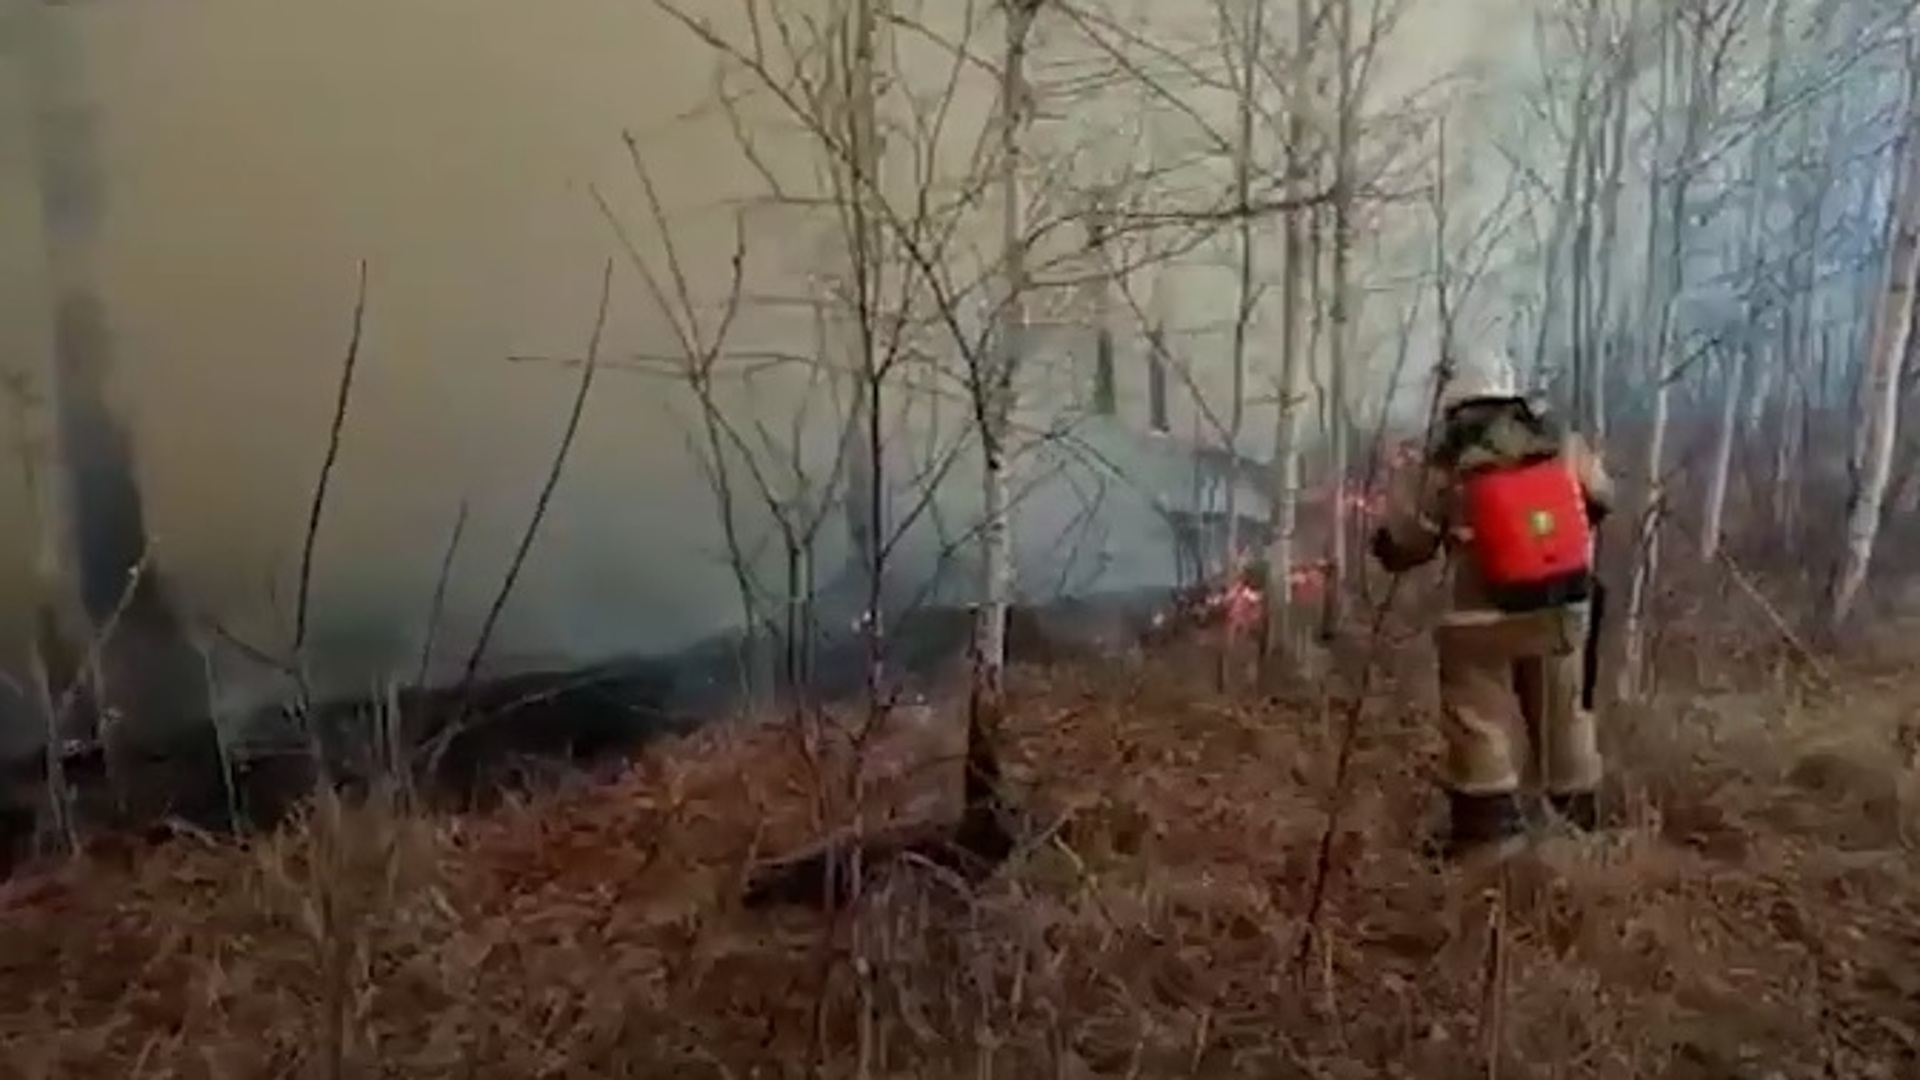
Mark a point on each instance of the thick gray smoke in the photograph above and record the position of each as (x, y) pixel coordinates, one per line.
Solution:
(253, 152)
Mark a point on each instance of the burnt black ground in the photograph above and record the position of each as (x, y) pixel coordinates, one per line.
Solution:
(467, 749)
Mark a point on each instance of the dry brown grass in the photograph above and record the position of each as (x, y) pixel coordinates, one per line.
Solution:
(1758, 916)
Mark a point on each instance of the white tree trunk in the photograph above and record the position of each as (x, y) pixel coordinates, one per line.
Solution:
(1879, 396)
(1605, 352)
(1339, 317)
(1552, 283)
(1252, 39)
(1667, 219)
(1607, 166)
(1760, 176)
(1281, 645)
(995, 384)
(866, 504)
(1798, 318)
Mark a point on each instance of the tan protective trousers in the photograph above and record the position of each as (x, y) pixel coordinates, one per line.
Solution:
(1510, 703)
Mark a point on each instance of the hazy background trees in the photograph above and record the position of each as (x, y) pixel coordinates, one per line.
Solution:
(1231, 242)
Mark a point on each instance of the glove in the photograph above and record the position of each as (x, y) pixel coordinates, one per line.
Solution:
(1389, 554)
(1380, 545)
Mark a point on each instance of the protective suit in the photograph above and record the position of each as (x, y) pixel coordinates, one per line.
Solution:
(1511, 501)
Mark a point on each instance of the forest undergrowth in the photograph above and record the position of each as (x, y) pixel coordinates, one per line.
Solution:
(1754, 911)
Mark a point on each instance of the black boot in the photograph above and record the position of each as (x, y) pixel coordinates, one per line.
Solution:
(1580, 809)
(1476, 823)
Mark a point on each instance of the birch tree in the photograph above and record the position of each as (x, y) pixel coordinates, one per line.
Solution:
(1592, 54)
(1694, 43)
(1808, 190)
(1346, 110)
(1280, 649)
(1744, 353)
(1599, 329)
(1251, 37)
(1878, 400)
(1569, 229)
(992, 382)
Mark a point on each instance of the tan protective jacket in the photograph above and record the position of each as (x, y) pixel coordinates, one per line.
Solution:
(1420, 519)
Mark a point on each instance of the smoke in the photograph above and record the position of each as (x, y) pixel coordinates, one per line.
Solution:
(255, 151)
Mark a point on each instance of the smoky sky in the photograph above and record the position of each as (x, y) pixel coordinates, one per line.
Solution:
(254, 152)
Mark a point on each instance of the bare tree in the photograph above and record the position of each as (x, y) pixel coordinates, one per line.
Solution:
(992, 380)
(1347, 106)
(1759, 200)
(1281, 644)
(1694, 45)
(929, 314)
(1879, 387)
(1247, 40)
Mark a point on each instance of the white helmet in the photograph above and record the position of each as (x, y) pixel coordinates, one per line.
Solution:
(1484, 376)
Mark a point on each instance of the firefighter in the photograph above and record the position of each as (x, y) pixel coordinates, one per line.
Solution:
(1511, 500)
